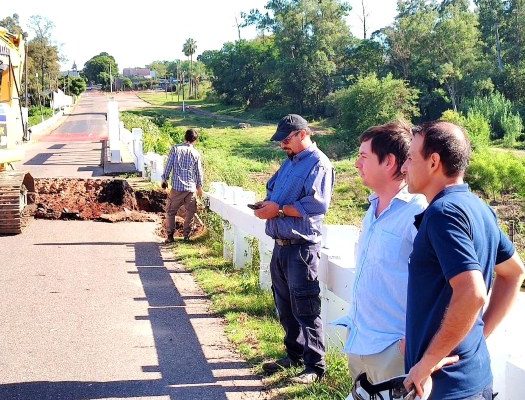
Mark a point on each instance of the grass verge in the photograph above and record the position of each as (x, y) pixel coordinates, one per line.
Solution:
(252, 325)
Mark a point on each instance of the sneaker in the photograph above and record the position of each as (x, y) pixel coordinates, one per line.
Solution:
(169, 239)
(186, 239)
(306, 377)
(271, 367)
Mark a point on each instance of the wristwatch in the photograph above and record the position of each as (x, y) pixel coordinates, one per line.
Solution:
(280, 213)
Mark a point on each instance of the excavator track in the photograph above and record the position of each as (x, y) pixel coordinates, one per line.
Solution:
(17, 190)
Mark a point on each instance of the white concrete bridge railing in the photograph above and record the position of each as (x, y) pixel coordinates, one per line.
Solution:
(336, 275)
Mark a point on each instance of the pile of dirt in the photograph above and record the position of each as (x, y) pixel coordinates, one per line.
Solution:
(109, 200)
(84, 199)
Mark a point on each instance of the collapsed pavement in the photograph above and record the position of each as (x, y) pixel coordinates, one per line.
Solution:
(108, 200)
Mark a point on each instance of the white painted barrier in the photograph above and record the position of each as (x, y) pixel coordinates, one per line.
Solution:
(113, 131)
(337, 273)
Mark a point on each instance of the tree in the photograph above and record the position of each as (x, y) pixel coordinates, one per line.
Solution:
(12, 24)
(515, 32)
(311, 37)
(372, 101)
(244, 72)
(97, 69)
(491, 15)
(189, 48)
(160, 68)
(77, 85)
(436, 47)
(42, 58)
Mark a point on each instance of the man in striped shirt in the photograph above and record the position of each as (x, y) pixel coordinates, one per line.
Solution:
(185, 167)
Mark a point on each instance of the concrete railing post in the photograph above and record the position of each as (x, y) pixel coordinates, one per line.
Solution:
(113, 131)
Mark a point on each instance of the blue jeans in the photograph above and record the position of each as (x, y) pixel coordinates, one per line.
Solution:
(296, 292)
(485, 394)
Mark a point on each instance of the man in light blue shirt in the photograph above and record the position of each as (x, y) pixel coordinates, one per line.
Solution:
(376, 321)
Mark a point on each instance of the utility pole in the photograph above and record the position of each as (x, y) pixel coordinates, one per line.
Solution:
(110, 79)
(25, 65)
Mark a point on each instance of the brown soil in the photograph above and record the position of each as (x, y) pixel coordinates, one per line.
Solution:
(102, 200)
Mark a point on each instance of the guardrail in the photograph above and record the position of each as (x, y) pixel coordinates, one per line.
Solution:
(336, 276)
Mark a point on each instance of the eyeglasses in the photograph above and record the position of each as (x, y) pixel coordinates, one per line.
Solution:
(288, 138)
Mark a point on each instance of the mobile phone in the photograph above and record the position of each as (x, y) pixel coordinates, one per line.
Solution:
(411, 395)
(254, 206)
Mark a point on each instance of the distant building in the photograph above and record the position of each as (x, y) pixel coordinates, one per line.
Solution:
(73, 72)
(139, 73)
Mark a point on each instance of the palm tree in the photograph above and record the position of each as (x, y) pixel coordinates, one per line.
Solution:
(189, 48)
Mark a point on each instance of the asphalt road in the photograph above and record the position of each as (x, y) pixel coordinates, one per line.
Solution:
(99, 311)
(74, 149)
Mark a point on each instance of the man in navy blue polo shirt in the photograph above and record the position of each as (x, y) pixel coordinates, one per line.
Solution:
(298, 196)
(459, 253)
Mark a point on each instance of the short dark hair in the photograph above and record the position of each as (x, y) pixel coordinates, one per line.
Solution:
(191, 135)
(390, 138)
(448, 140)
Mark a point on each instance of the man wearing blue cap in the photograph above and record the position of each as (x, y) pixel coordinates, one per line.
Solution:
(298, 196)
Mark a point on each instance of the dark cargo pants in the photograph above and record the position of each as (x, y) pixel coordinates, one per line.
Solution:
(296, 291)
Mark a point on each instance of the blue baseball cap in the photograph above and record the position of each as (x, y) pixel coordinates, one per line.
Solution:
(287, 125)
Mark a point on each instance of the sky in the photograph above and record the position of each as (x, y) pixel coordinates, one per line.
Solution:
(137, 33)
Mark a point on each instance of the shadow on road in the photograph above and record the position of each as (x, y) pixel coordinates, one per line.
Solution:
(185, 372)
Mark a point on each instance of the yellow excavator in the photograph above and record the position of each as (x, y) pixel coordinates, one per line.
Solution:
(16, 188)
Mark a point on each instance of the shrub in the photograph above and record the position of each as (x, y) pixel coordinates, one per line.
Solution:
(154, 139)
(512, 127)
(495, 173)
(500, 112)
(372, 101)
(475, 124)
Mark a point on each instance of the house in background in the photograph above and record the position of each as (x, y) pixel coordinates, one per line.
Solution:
(72, 73)
(139, 73)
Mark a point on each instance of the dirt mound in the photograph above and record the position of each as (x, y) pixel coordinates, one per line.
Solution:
(82, 198)
(109, 200)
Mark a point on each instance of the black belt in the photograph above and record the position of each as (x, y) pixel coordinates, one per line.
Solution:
(289, 242)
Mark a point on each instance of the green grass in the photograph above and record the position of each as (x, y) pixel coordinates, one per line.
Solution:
(39, 114)
(167, 99)
(250, 314)
(246, 158)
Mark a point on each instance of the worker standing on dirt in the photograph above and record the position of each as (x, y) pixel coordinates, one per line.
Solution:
(185, 167)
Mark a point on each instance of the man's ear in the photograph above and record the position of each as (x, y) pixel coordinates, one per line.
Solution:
(435, 159)
(390, 161)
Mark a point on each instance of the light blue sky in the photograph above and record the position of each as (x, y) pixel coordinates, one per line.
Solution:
(136, 33)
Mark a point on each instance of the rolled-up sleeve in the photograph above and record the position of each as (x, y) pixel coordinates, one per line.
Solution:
(318, 187)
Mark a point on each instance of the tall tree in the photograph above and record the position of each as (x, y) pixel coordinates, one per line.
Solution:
(436, 46)
(244, 72)
(97, 69)
(43, 57)
(12, 24)
(515, 32)
(491, 16)
(311, 37)
(189, 48)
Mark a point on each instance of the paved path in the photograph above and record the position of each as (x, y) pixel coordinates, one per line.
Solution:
(74, 149)
(98, 311)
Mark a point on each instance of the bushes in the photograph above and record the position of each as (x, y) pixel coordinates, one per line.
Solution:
(154, 139)
(505, 122)
(476, 125)
(496, 173)
(372, 101)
